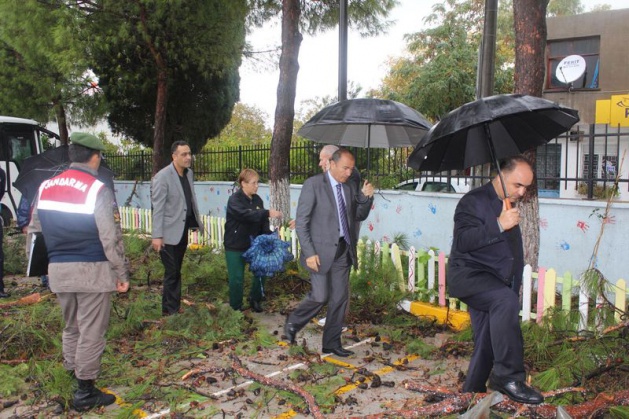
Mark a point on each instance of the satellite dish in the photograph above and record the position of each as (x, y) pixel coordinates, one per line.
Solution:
(570, 69)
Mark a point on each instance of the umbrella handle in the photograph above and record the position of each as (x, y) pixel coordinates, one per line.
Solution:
(494, 159)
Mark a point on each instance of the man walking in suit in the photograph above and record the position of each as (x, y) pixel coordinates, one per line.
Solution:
(354, 182)
(175, 211)
(485, 272)
(327, 208)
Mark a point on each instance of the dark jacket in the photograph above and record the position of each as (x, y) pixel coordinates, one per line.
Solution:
(66, 208)
(317, 221)
(483, 258)
(246, 219)
(23, 212)
(3, 181)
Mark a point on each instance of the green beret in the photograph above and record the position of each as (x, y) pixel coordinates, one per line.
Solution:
(87, 140)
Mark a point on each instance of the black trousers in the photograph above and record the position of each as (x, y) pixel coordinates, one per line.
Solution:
(498, 340)
(172, 259)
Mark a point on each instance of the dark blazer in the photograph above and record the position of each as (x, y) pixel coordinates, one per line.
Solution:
(246, 219)
(317, 223)
(483, 258)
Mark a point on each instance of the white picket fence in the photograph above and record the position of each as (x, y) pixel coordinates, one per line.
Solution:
(542, 291)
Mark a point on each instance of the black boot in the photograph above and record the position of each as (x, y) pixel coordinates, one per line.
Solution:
(88, 396)
(255, 305)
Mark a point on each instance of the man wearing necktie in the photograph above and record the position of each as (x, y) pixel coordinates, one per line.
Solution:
(326, 209)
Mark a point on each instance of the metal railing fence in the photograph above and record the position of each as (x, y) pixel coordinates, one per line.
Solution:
(581, 163)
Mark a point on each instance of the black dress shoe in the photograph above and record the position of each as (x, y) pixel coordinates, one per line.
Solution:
(256, 306)
(4, 295)
(517, 391)
(290, 331)
(338, 352)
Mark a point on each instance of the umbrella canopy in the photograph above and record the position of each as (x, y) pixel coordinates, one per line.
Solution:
(40, 167)
(267, 255)
(366, 123)
(490, 129)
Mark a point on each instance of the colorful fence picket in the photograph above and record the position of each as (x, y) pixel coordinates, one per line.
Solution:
(139, 220)
(545, 286)
(425, 271)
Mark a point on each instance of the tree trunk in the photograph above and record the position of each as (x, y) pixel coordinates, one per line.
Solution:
(529, 17)
(62, 122)
(159, 128)
(160, 121)
(279, 169)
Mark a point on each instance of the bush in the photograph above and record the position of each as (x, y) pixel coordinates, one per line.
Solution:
(600, 191)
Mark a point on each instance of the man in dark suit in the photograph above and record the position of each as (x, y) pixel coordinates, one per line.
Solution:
(326, 209)
(175, 211)
(485, 272)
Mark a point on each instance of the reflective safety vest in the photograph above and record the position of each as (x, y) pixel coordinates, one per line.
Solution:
(66, 210)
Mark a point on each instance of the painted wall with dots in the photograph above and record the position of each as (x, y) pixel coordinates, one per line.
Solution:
(569, 228)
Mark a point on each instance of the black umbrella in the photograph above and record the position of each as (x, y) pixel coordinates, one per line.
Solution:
(40, 167)
(366, 123)
(490, 129)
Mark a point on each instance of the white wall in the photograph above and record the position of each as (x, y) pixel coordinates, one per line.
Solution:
(568, 227)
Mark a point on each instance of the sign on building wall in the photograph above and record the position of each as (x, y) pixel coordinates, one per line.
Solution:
(614, 111)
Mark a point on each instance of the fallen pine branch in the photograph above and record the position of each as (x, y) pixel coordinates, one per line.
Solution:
(198, 371)
(461, 402)
(13, 361)
(308, 398)
(189, 388)
(616, 327)
(24, 301)
(599, 371)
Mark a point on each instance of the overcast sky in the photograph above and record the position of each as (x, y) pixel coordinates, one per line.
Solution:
(318, 57)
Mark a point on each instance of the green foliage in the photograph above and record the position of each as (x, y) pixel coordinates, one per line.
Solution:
(619, 412)
(246, 127)
(44, 66)
(419, 347)
(324, 390)
(14, 247)
(195, 47)
(422, 292)
(327, 382)
(375, 292)
(33, 332)
(564, 8)
(466, 335)
(443, 60)
(401, 239)
(599, 191)
(260, 338)
(55, 381)
(13, 379)
(218, 162)
(564, 357)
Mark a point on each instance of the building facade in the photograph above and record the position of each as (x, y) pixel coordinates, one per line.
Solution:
(587, 68)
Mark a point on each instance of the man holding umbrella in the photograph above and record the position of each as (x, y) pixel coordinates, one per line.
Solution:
(485, 272)
(326, 211)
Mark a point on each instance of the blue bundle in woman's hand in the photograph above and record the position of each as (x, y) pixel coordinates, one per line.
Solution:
(267, 255)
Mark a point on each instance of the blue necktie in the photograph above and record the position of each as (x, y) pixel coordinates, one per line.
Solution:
(343, 213)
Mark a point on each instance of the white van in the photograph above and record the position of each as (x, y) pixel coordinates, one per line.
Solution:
(19, 138)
